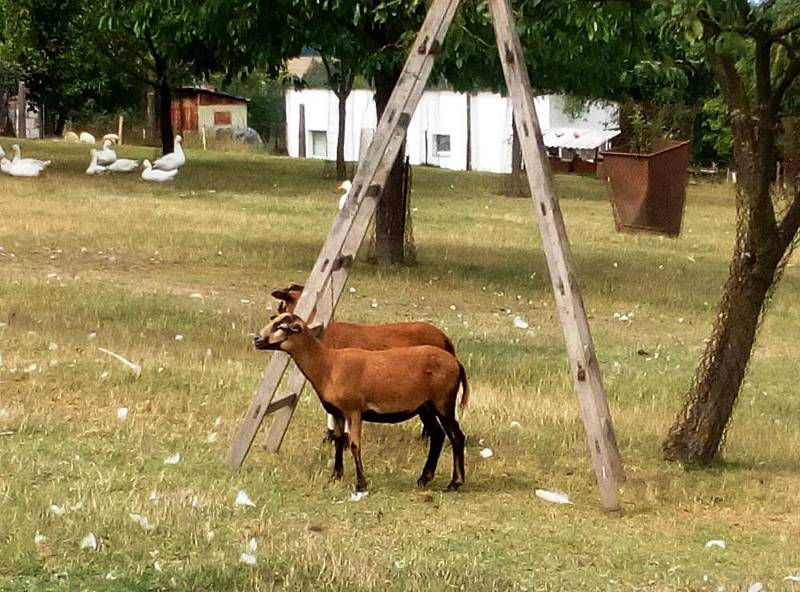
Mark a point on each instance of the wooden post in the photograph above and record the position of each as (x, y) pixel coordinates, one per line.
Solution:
(120, 125)
(352, 221)
(584, 367)
(149, 131)
(301, 133)
(22, 108)
(469, 132)
(203, 135)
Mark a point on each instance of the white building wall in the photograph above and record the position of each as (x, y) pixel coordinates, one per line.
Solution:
(439, 112)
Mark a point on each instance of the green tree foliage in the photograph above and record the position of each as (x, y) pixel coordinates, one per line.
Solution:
(57, 49)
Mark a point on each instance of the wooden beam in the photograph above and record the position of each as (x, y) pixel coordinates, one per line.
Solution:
(352, 221)
(584, 367)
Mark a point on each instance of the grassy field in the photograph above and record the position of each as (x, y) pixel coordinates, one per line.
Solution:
(177, 277)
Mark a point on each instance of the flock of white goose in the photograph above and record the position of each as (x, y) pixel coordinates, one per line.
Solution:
(103, 162)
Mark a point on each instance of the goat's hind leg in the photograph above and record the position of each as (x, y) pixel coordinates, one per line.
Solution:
(436, 436)
(339, 440)
(355, 448)
(447, 417)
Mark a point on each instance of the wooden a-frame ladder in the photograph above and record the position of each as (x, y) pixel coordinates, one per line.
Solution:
(326, 282)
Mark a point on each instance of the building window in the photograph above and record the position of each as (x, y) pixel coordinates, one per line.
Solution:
(222, 117)
(319, 144)
(441, 144)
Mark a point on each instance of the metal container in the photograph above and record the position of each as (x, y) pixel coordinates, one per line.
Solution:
(648, 191)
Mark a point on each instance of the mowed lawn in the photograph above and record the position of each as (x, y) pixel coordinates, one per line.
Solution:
(176, 278)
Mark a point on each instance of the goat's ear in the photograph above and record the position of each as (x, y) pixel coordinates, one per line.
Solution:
(281, 295)
(316, 330)
(295, 327)
(295, 287)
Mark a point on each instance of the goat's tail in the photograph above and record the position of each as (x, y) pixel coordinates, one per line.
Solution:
(462, 379)
(448, 347)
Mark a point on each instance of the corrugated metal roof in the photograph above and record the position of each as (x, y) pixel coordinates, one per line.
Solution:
(577, 139)
(191, 88)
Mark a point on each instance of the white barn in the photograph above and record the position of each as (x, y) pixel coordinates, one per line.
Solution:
(439, 129)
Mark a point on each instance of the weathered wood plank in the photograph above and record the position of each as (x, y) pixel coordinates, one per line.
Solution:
(580, 348)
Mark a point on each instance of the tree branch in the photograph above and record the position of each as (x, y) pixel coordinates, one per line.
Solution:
(789, 76)
(784, 31)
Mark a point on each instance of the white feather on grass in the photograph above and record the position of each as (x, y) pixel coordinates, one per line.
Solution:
(719, 543)
(173, 459)
(795, 579)
(556, 497)
(142, 521)
(39, 538)
(242, 499)
(57, 510)
(122, 413)
(247, 559)
(357, 496)
(252, 545)
(89, 542)
(135, 368)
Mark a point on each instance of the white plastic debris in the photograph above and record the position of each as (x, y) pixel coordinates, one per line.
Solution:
(719, 543)
(556, 497)
(212, 437)
(252, 545)
(142, 521)
(173, 459)
(247, 559)
(210, 536)
(39, 538)
(486, 453)
(122, 413)
(135, 368)
(242, 499)
(57, 510)
(196, 296)
(179, 337)
(89, 542)
(357, 496)
(352, 290)
(755, 587)
(520, 323)
(795, 579)
(515, 424)
(373, 303)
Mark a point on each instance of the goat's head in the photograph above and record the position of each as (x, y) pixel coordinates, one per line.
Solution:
(288, 297)
(283, 332)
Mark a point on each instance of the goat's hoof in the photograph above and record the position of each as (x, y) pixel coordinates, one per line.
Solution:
(453, 486)
(330, 437)
(336, 476)
(423, 481)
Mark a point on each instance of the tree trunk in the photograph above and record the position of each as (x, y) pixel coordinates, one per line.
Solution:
(697, 434)
(341, 165)
(165, 116)
(61, 121)
(6, 127)
(514, 184)
(390, 217)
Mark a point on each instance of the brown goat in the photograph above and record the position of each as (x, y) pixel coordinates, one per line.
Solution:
(340, 335)
(387, 386)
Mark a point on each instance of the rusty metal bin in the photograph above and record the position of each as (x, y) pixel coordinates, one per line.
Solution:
(648, 191)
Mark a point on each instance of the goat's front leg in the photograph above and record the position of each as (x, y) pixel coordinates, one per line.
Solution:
(355, 447)
(339, 439)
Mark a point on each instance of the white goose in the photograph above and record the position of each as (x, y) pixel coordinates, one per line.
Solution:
(346, 186)
(156, 176)
(94, 168)
(34, 161)
(123, 165)
(174, 160)
(19, 169)
(106, 156)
